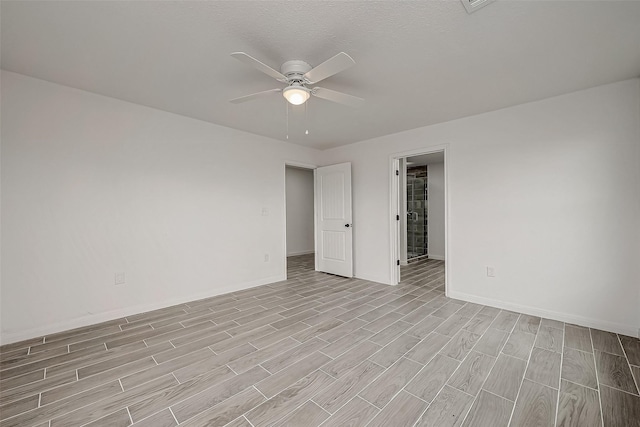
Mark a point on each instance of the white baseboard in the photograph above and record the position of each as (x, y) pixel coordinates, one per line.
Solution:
(300, 253)
(604, 325)
(437, 257)
(11, 337)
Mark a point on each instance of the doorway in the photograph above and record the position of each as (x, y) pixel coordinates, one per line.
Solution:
(318, 217)
(299, 217)
(419, 205)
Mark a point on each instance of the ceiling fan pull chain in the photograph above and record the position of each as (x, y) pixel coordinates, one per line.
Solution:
(306, 120)
(286, 105)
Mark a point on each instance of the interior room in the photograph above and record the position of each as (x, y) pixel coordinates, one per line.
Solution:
(364, 213)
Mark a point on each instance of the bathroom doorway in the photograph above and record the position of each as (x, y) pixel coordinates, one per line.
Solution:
(418, 204)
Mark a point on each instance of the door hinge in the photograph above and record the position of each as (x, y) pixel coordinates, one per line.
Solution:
(398, 262)
(397, 172)
(397, 217)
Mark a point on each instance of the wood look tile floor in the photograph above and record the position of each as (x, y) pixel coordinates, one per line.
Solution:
(321, 350)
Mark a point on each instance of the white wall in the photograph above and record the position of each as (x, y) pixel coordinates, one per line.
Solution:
(300, 238)
(92, 186)
(435, 210)
(547, 192)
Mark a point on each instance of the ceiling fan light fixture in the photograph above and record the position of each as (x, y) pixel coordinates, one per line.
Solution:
(296, 95)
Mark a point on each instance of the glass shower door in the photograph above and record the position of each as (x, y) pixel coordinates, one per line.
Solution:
(416, 212)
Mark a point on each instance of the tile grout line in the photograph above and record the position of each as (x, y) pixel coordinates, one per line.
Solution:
(173, 415)
(297, 407)
(515, 402)
(418, 397)
(559, 378)
(99, 385)
(624, 351)
(575, 383)
(174, 376)
(494, 365)
(263, 395)
(129, 413)
(446, 382)
(370, 382)
(595, 367)
(496, 395)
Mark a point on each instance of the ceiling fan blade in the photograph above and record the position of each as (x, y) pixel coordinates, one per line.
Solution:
(250, 60)
(254, 96)
(339, 97)
(328, 68)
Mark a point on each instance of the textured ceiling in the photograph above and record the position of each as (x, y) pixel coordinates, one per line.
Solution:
(417, 63)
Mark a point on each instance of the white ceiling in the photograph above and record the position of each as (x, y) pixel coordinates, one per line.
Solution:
(418, 63)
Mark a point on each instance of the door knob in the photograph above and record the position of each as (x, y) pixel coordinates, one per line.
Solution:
(347, 225)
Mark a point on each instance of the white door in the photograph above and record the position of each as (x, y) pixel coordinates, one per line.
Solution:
(334, 228)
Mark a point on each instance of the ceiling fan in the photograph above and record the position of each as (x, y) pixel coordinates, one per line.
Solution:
(298, 75)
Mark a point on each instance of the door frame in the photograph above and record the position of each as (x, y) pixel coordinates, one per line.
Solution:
(395, 209)
(312, 168)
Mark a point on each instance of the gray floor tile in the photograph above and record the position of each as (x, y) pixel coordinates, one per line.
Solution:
(288, 400)
(447, 410)
(632, 349)
(339, 393)
(505, 321)
(160, 419)
(489, 410)
(226, 411)
(428, 347)
(550, 339)
(578, 338)
(579, 367)
(355, 413)
(544, 368)
(382, 390)
(278, 382)
(519, 345)
(536, 406)
(614, 371)
(472, 373)
(506, 376)
(578, 406)
(394, 350)
(308, 415)
(606, 341)
(402, 411)
(619, 409)
(349, 360)
(529, 324)
(432, 377)
(492, 342)
(452, 325)
(460, 345)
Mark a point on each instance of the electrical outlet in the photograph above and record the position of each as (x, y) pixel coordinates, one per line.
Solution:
(265, 212)
(491, 271)
(119, 278)
(266, 257)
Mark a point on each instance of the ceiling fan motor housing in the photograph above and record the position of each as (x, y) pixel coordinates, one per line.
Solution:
(295, 70)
